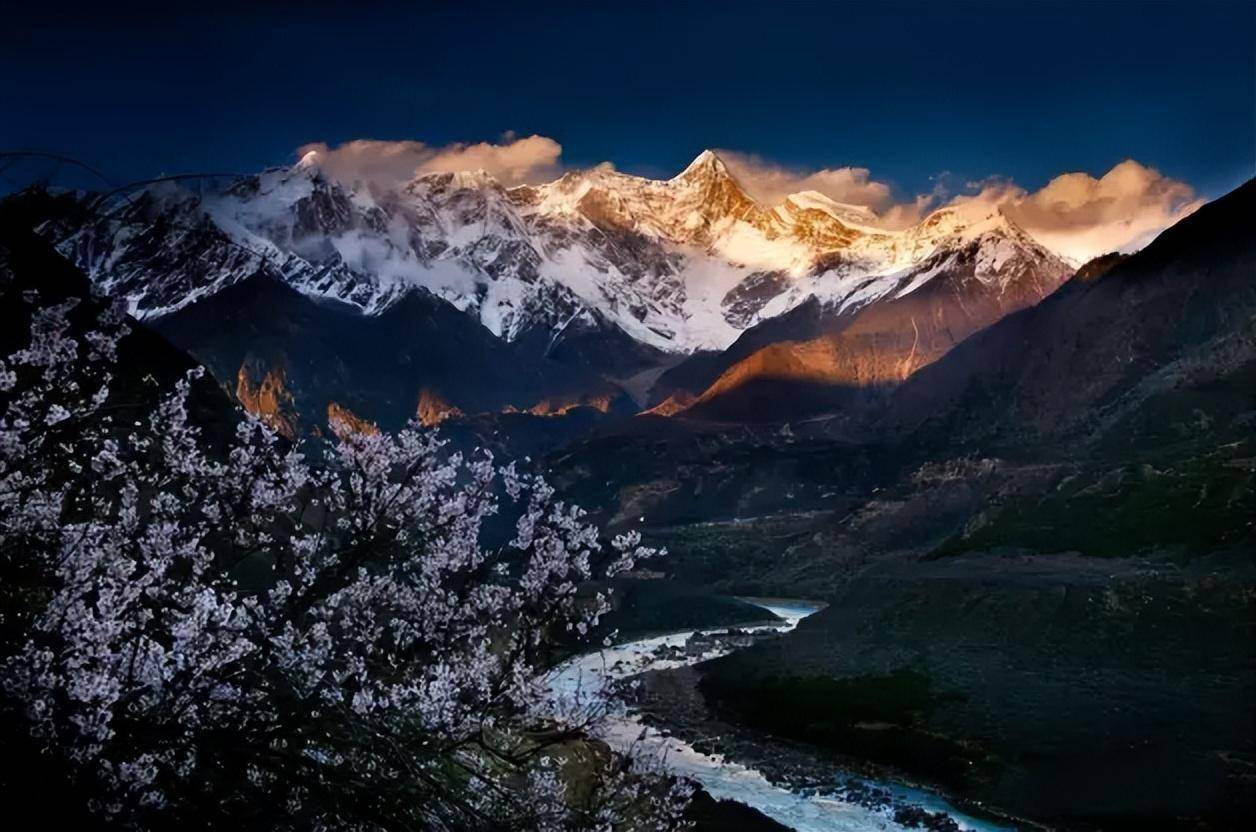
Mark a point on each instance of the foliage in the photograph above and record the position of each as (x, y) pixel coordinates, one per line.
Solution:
(208, 636)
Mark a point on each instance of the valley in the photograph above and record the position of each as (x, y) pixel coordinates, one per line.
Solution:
(1015, 487)
(560, 416)
(812, 797)
(1029, 555)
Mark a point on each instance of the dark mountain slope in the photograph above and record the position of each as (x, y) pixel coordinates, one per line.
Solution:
(1179, 312)
(1082, 693)
(698, 372)
(293, 357)
(148, 365)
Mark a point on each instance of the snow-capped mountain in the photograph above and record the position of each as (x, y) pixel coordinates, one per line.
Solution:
(679, 265)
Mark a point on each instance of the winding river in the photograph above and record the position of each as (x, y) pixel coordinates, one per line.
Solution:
(724, 779)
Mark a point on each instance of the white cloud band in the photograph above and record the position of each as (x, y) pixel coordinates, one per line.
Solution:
(1075, 214)
(513, 161)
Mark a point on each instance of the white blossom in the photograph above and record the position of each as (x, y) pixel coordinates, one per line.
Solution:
(307, 638)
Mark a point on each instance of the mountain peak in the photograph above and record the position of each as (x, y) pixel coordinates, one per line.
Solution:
(705, 164)
(711, 175)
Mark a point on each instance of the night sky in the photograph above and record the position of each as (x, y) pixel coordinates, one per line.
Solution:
(909, 90)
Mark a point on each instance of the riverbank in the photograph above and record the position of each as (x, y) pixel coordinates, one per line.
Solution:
(669, 701)
(1084, 693)
(834, 800)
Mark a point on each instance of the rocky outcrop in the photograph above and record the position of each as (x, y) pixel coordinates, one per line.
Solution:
(433, 408)
(264, 393)
(673, 404)
(344, 421)
(557, 406)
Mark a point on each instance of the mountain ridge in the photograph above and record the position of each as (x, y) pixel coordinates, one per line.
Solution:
(679, 265)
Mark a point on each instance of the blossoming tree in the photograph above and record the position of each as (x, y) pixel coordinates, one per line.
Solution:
(205, 635)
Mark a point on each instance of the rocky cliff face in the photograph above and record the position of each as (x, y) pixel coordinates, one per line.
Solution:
(263, 392)
(434, 408)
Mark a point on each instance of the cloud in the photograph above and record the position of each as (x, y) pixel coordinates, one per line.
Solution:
(906, 214)
(1075, 214)
(512, 161)
(770, 183)
(1082, 216)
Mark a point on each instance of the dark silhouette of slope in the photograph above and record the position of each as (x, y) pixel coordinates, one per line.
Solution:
(148, 365)
(1178, 313)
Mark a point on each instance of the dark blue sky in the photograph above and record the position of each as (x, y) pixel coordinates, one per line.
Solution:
(1023, 90)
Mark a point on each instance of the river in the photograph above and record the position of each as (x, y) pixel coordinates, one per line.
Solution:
(724, 779)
